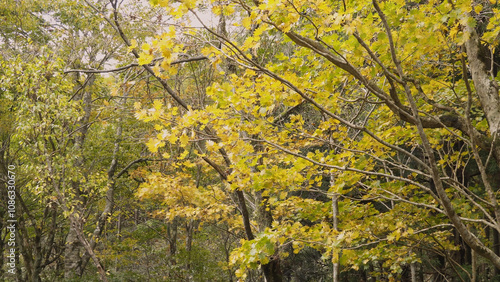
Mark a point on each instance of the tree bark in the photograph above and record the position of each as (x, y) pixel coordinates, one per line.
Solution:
(485, 86)
(474, 266)
(72, 257)
(75, 241)
(413, 272)
(496, 249)
(335, 220)
(81, 237)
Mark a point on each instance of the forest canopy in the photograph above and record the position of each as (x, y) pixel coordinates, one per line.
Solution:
(277, 140)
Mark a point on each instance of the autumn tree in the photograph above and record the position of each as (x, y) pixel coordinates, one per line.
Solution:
(65, 127)
(286, 139)
(403, 121)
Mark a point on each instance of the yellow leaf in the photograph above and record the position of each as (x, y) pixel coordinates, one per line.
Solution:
(146, 47)
(246, 22)
(132, 46)
(228, 10)
(478, 8)
(144, 59)
(153, 145)
(206, 51)
(172, 71)
(142, 114)
(166, 54)
(157, 105)
(239, 273)
(172, 138)
(216, 10)
(184, 140)
(190, 4)
(258, 32)
(183, 155)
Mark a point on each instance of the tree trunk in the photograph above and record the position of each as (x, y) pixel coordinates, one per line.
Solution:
(189, 241)
(172, 240)
(474, 266)
(413, 271)
(335, 214)
(496, 249)
(485, 85)
(72, 257)
(86, 245)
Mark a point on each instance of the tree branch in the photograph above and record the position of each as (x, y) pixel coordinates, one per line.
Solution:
(180, 61)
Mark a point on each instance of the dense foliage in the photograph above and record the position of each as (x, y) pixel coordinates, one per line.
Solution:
(251, 140)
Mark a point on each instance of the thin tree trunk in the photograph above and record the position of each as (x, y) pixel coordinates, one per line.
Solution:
(72, 257)
(72, 254)
(474, 266)
(88, 248)
(172, 240)
(110, 193)
(496, 249)
(189, 242)
(335, 213)
(413, 270)
(118, 235)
